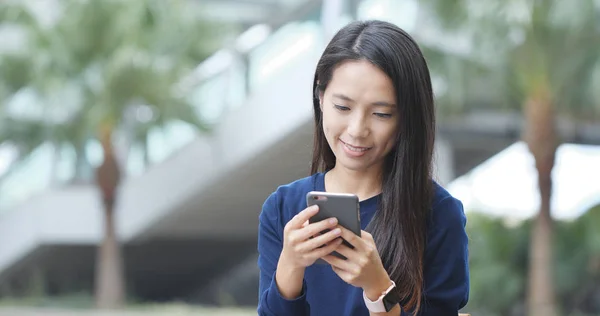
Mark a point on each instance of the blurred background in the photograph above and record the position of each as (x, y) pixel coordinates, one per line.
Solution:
(139, 139)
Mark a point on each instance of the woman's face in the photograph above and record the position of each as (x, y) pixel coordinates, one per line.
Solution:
(359, 115)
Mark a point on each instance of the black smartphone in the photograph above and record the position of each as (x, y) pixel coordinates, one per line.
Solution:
(343, 206)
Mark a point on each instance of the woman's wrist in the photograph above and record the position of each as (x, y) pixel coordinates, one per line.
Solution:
(289, 264)
(374, 290)
(289, 279)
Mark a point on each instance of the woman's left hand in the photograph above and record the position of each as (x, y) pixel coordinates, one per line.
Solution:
(363, 267)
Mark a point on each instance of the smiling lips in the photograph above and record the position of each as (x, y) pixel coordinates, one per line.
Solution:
(354, 151)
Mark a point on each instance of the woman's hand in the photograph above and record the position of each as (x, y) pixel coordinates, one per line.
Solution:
(300, 248)
(363, 267)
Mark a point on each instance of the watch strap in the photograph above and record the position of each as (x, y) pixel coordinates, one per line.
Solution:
(380, 305)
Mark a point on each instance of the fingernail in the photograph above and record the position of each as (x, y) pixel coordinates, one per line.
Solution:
(332, 221)
(337, 231)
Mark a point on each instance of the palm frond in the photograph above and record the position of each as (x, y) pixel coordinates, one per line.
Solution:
(119, 55)
(26, 136)
(450, 13)
(526, 47)
(17, 13)
(15, 71)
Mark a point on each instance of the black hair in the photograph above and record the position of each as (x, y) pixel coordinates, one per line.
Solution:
(399, 226)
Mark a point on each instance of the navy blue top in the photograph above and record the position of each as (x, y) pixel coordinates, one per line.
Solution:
(446, 271)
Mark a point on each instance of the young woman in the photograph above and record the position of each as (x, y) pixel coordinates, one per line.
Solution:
(374, 137)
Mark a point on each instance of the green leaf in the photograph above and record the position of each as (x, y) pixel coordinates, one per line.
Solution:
(118, 55)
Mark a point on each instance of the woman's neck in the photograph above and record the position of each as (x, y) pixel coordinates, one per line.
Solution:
(364, 184)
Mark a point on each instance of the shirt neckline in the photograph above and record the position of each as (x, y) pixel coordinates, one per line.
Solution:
(365, 205)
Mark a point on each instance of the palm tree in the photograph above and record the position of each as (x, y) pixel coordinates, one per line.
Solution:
(120, 56)
(543, 56)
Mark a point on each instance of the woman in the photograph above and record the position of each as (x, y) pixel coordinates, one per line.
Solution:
(374, 137)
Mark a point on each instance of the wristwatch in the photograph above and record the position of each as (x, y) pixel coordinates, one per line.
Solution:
(388, 299)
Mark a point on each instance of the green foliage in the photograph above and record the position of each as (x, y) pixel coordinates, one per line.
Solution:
(117, 55)
(577, 249)
(499, 263)
(498, 257)
(527, 47)
(520, 51)
(17, 68)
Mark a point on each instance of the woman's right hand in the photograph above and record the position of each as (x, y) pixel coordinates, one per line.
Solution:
(299, 249)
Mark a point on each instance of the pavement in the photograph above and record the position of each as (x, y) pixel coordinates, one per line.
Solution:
(146, 311)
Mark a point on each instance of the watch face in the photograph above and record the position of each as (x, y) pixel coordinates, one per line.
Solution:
(391, 299)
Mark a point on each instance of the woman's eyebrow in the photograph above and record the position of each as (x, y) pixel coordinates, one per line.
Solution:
(383, 103)
(343, 97)
(349, 99)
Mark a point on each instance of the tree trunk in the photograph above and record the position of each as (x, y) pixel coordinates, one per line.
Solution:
(541, 139)
(110, 284)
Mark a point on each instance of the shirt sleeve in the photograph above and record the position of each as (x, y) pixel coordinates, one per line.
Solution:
(270, 244)
(446, 270)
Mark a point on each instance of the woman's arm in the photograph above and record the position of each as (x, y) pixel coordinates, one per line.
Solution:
(289, 280)
(289, 298)
(393, 312)
(446, 270)
(284, 253)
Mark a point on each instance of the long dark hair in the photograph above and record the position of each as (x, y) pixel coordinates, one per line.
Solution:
(399, 226)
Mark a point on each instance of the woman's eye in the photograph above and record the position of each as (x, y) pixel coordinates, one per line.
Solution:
(383, 115)
(341, 107)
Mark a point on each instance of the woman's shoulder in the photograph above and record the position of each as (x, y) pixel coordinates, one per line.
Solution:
(446, 209)
(289, 199)
(294, 190)
(299, 186)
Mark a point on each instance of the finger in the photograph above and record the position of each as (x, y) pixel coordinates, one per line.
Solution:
(305, 224)
(343, 274)
(366, 236)
(315, 228)
(347, 252)
(370, 248)
(320, 240)
(339, 263)
(303, 216)
(329, 259)
(351, 238)
(329, 248)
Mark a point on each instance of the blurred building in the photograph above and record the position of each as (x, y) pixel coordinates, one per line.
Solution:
(188, 222)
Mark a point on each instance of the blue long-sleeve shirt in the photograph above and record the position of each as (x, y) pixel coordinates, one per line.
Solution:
(446, 272)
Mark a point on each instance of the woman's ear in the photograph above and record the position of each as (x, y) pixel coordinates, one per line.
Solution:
(321, 94)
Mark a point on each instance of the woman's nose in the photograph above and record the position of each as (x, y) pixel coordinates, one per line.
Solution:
(358, 126)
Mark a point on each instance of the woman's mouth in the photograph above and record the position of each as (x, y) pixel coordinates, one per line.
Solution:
(354, 151)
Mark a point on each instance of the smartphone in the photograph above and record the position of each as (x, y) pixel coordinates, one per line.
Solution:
(343, 206)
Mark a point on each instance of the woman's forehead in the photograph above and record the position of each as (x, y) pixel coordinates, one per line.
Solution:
(361, 81)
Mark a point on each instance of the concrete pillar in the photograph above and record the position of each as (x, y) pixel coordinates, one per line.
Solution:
(37, 283)
(352, 8)
(331, 13)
